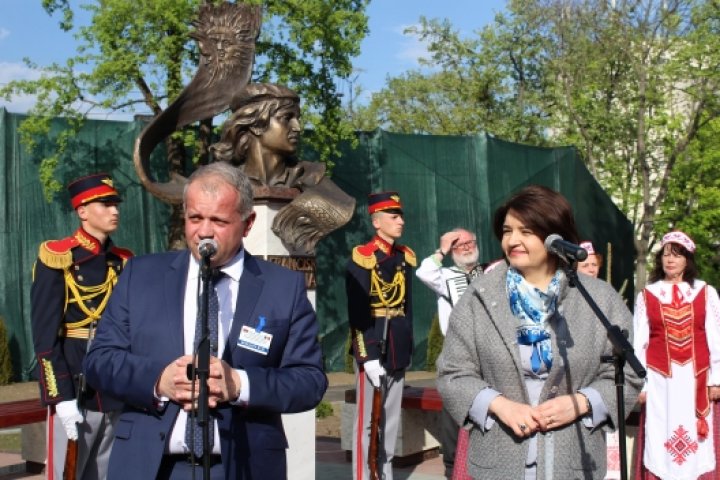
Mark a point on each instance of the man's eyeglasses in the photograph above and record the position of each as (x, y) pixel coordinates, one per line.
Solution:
(468, 244)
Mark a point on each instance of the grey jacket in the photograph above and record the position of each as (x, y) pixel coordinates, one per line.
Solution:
(481, 351)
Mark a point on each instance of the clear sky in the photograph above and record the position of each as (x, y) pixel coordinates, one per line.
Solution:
(27, 31)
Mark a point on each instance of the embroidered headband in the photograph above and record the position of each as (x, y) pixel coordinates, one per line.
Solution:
(679, 237)
(588, 246)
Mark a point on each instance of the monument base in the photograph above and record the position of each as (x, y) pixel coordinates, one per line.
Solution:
(263, 243)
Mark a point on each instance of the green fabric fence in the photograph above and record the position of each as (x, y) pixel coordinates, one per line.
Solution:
(444, 182)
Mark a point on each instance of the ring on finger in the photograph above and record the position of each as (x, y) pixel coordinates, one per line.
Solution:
(522, 426)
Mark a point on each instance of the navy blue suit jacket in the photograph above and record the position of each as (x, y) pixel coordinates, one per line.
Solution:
(141, 332)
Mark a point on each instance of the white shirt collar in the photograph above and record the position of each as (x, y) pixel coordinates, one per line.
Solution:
(232, 269)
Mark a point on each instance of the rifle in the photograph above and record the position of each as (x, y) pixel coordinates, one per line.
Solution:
(71, 454)
(376, 448)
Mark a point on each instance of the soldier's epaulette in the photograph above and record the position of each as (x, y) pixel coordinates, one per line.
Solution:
(57, 253)
(123, 253)
(364, 255)
(410, 257)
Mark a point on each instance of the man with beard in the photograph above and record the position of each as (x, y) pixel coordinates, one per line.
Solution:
(442, 280)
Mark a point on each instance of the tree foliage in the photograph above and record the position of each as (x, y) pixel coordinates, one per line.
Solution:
(636, 86)
(632, 83)
(137, 56)
(693, 201)
(466, 86)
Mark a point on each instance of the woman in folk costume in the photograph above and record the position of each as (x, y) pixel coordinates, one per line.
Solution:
(677, 335)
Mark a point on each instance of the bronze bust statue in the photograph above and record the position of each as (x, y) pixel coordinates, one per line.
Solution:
(260, 136)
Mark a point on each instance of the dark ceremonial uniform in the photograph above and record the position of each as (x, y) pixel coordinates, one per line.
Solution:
(72, 282)
(379, 286)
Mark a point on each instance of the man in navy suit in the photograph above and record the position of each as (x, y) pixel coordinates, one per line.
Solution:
(268, 360)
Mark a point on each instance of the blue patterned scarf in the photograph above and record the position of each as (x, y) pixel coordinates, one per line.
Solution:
(533, 308)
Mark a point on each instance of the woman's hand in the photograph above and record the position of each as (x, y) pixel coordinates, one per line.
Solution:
(517, 416)
(560, 411)
(642, 398)
(714, 393)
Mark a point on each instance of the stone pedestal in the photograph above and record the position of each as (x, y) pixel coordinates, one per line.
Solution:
(262, 242)
(33, 443)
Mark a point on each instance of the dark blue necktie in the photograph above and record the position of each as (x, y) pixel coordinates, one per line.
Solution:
(193, 431)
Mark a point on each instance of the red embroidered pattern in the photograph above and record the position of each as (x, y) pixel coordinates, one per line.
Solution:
(679, 330)
(680, 445)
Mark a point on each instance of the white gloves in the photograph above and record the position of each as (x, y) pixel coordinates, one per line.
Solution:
(69, 415)
(374, 371)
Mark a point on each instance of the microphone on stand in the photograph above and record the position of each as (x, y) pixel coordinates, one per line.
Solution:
(554, 243)
(207, 248)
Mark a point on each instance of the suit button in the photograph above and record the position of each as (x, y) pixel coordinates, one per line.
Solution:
(162, 436)
(554, 389)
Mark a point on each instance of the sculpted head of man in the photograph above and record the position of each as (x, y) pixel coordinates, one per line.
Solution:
(226, 36)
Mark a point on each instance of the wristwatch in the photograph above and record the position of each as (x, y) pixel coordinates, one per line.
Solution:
(440, 252)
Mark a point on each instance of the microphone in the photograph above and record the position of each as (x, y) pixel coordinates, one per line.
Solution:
(207, 247)
(554, 243)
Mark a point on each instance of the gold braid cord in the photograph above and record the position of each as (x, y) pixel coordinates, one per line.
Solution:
(50, 380)
(79, 294)
(390, 294)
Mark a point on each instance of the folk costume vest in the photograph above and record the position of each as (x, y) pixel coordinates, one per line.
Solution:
(677, 334)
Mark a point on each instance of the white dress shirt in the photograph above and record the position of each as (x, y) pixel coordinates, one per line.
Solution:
(227, 291)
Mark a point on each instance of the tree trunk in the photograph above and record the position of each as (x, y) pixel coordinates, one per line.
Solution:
(176, 164)
(176, 230)
(204, 139)
(641, 265)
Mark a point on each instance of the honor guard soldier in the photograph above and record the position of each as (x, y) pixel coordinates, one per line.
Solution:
(379, 284)
(72, 282)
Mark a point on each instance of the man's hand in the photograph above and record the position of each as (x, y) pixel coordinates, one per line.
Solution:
(174, 383)
(374, 371)
(447, 241)
(224, 382)
(69, 416)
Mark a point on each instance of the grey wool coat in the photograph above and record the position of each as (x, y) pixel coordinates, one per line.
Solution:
(481, 351)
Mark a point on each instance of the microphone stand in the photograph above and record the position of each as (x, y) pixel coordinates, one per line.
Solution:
(622, 352)
(202, 371)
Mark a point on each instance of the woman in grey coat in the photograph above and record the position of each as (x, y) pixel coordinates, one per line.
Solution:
(521, 366)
